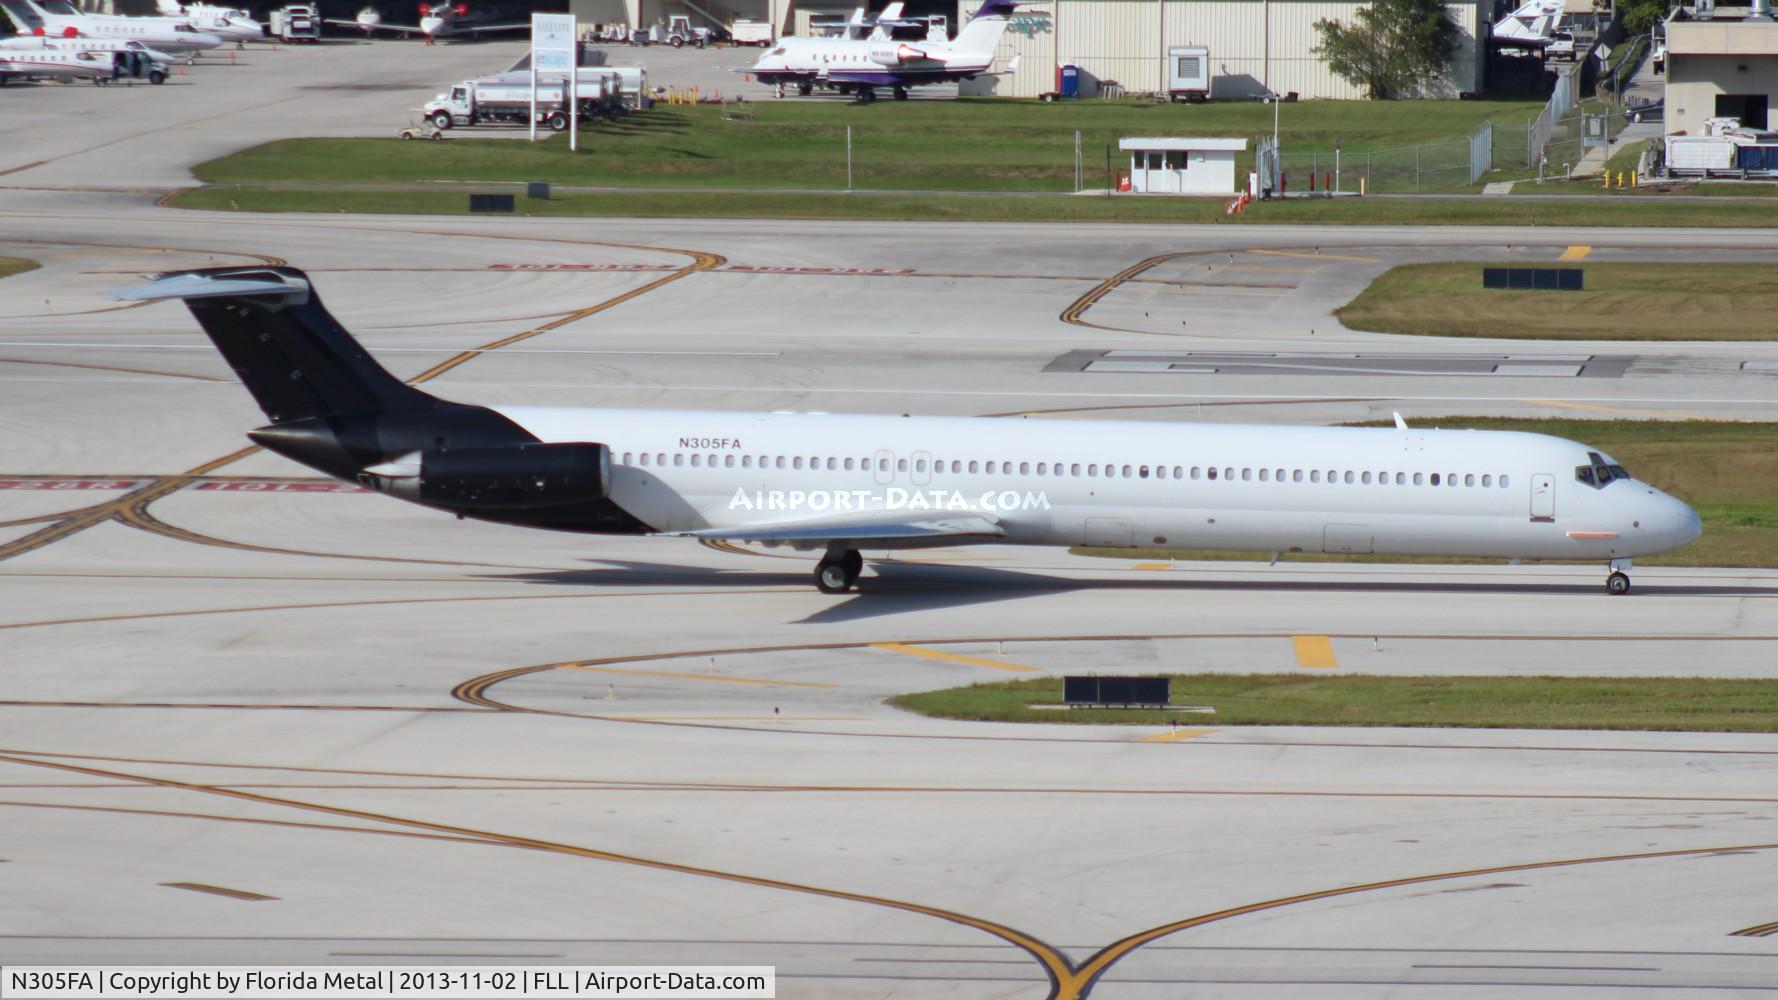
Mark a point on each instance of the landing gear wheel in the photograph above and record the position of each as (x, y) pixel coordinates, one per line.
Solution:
(832, 578)
(1617, 584)
(804, 89)
(854, 564)
(901, 93)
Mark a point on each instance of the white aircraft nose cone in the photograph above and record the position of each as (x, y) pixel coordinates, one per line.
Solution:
(1687, 525)
(430, 25)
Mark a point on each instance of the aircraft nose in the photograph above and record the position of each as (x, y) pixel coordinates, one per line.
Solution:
(1687, 525)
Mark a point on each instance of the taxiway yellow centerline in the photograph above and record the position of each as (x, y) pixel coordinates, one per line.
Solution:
(935, 654)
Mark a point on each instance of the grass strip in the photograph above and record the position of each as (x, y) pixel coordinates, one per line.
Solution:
(1685, 704)
(998, 208)
(961, 144)
(1728, 472)
(1665, 301)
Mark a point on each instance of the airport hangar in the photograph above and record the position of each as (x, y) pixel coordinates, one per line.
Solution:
(1255, 46)
(1725, 66)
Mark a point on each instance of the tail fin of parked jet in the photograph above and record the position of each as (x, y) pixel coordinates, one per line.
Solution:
(293, 356)
(982, 33)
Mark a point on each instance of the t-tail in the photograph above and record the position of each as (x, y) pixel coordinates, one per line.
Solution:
(986, 25)
(335, 409)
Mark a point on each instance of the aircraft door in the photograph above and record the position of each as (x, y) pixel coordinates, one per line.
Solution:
(1543, 497)
(921, 470)
(883, 467)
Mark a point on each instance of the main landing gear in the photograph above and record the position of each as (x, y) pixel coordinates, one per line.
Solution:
(1618, 582)
(838, 570)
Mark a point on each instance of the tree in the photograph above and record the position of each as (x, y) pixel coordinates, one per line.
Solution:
(1640, 16)
(1393, 46)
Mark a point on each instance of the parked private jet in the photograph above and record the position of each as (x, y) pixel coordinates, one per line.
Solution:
(168, 34)
(53, 65)
(444, 20)
(839, 484)
(99, 60)
(231, 24)
(860, 65)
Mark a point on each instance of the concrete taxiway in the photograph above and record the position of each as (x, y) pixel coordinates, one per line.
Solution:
(251, 717)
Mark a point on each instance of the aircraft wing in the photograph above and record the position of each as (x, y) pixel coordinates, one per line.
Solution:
(863, 529)
(474, 29)
(404, 29)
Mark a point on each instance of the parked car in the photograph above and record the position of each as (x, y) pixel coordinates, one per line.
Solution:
(1653, 111)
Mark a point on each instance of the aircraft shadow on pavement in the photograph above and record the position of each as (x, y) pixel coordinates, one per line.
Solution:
(891, 588)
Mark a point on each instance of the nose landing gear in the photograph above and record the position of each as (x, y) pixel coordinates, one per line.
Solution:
(1618, 582)
(838, 570)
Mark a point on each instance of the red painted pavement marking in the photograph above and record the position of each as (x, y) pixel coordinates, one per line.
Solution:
(238, 486)
(887, 272)
(69, 484)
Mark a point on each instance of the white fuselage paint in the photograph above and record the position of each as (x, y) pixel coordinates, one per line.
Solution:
(1284, 489)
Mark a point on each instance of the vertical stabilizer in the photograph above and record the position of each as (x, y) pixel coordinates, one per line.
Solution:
(982, 33)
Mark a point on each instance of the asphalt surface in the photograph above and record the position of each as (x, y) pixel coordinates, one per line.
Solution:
(251, 718)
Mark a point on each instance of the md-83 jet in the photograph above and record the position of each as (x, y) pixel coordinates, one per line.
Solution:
(839, 484)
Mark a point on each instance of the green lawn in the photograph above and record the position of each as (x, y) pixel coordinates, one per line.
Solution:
(1728, 472)
(1293, 699)
(10, 266)
(936, 145)
(1000, 208)
(1621, 302)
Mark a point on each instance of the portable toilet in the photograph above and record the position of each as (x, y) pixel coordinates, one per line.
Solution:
(1070, 81)
(1179, 165)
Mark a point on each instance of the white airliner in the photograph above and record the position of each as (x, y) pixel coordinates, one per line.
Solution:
(168, 34)
(839, 484)
(860, 65)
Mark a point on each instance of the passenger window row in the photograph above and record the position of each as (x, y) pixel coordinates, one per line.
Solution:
(1090, 470)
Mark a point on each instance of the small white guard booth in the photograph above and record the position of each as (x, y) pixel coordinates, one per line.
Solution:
(1180, 165)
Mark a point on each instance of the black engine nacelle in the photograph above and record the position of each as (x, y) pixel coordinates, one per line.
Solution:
(513, 476)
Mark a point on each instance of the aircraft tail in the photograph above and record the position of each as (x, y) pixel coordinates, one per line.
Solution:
(292, 355)
(982, 33)
(26, 18)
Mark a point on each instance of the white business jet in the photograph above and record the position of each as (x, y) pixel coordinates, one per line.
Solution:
(53, 65)
(838, 484)
(230, 24)
(168, 34)
(444, 20)
(82, 58)
(860, 65)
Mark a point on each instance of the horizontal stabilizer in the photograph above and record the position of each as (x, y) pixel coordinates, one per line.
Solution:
(877, 527)
(205, 286)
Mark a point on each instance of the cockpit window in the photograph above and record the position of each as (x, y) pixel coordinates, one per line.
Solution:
(1598, 473)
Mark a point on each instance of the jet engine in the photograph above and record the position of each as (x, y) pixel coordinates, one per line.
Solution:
(895, 55)
(508, 477)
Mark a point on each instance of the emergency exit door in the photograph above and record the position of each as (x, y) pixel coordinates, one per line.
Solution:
(1543, 497)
